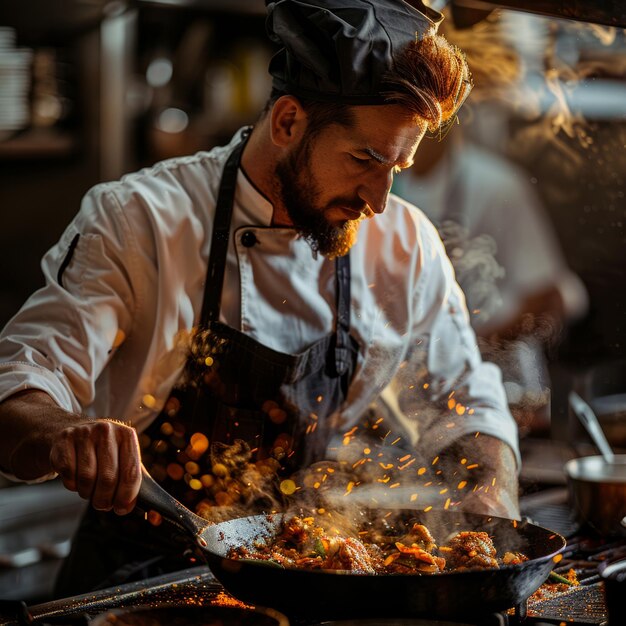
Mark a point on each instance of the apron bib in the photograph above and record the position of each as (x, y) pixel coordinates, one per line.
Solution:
(241, 411)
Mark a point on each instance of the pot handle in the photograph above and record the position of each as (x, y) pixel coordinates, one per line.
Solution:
(152, 496)
(589, 420)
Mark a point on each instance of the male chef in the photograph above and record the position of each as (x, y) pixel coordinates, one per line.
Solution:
(249, 305)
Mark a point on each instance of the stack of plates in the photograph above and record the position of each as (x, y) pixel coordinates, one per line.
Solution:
(15, 79)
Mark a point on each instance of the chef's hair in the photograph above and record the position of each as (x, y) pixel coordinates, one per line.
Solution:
(430, 77)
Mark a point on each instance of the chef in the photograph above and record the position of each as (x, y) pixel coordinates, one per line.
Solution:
(260, 297)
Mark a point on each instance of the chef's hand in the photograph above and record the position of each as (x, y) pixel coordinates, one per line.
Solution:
(98, 458)
(492, 485)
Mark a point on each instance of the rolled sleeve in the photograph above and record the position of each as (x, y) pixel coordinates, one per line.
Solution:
(445, 387)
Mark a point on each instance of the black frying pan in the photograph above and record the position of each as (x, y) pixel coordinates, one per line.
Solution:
(323, 594)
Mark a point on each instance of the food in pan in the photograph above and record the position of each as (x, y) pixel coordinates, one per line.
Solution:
(301, 543)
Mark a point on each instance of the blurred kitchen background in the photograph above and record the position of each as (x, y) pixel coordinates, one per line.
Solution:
(92, 89)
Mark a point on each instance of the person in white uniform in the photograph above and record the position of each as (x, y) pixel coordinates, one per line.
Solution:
(507, 259)
(262, 296)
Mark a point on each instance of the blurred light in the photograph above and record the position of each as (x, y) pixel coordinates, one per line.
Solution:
(172, 120)
(159, 72)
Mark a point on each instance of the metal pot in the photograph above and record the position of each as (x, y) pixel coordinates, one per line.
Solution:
(598, 492)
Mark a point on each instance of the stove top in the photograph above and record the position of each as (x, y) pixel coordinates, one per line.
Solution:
(197, 587)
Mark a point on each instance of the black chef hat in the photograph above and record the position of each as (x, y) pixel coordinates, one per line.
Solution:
(338, 50)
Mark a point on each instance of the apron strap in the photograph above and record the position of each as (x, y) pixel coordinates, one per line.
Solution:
(221, 232)
(343, 352)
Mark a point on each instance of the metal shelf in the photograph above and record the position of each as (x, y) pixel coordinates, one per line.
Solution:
(248, 7)
(39, 143)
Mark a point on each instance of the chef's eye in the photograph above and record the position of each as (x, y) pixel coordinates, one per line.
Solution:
(360, 160)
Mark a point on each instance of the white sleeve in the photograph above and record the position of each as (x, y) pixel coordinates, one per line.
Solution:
(528, 248)
(444, 386)
(66, 332)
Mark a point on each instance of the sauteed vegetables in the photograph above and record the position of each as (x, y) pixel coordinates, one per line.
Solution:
(303, 544)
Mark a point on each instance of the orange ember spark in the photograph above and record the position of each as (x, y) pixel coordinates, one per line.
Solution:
(435, 460)
(223, 599)
(428, 508)
(175, 471)
(288, 487)
(472, 466)
(421, 471)
(167, 429)
(149, 401)
(462, 484)
(557, 558)
(154, 518)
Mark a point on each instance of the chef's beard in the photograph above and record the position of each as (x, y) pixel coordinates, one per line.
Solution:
(299, 192)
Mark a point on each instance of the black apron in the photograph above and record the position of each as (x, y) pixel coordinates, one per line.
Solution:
(240, 403)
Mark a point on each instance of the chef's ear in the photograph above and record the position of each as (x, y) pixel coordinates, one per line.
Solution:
(287, 121)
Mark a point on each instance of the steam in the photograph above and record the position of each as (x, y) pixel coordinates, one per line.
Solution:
(476, 269)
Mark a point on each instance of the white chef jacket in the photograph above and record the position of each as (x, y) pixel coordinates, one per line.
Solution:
(106, 334)
(495, 198)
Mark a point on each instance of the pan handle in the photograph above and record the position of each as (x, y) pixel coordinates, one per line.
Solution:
(153, 496)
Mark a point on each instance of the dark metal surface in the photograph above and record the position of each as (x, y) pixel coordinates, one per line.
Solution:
(333, 595)
(192, 586)
(608, 12)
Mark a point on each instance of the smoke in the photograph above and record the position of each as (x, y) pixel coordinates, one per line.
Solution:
(476, 268)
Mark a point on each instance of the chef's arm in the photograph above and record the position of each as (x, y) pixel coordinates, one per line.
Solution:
(485, 469)
(98, 458)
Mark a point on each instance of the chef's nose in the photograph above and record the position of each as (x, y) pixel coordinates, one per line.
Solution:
(376, 189)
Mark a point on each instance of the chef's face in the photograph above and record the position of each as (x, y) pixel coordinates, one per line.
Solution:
(331, 181)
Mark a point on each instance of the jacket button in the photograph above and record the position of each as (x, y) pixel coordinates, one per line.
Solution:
(248, 239)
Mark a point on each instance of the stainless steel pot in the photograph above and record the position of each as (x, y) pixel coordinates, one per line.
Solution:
(598, 492)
